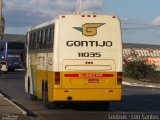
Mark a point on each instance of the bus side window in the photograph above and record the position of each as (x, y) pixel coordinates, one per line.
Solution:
(37, 36)
(30, 41)
(48, 39)
(51, 37)
(41, 39)
(45, 38)
(36, 42)
(33, 41)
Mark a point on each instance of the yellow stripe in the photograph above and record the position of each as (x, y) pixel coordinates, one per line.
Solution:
(80, 88)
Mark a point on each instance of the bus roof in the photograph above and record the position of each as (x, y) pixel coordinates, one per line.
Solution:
(59, 16)
(42, 25)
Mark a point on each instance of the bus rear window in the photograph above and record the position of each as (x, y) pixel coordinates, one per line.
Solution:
(15, 45)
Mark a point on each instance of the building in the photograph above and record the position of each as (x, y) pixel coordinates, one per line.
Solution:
(150, 52)
(14, 37)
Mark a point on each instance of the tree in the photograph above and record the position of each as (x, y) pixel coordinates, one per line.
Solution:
(136, 66)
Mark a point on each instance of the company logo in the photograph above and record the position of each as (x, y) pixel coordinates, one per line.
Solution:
(89, 29)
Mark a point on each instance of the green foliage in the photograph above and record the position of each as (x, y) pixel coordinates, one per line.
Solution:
(136, 67)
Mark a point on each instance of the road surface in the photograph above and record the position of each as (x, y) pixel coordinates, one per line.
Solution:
(135, 99)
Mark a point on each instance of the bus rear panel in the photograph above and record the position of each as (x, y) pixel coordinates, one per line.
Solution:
(88, 58)
(76, 58)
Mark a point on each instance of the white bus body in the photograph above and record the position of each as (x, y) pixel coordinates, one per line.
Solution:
(83, 64)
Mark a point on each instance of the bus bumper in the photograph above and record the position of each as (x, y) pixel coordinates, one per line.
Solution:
(86, 95)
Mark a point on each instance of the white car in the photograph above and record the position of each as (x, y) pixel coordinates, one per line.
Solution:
(3, 66)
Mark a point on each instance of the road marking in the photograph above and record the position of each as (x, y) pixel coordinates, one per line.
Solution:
(140, 85)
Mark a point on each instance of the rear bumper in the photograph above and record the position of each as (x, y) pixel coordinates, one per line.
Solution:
(86, 95)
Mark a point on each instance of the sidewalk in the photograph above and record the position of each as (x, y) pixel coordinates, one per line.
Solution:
(132, 82)
(7, 107)
(8, 110)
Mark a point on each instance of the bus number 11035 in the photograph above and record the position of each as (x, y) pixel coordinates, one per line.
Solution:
(89, 54)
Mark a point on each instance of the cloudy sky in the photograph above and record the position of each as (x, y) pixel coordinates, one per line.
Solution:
(140, 19)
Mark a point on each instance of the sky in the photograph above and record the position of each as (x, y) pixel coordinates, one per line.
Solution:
(140, 19)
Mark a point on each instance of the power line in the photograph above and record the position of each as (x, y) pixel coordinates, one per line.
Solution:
(142, 28)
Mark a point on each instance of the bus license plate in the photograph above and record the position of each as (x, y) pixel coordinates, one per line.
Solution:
(93, 80)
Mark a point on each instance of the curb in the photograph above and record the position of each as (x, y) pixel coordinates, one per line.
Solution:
(19, 106)
(140, 85)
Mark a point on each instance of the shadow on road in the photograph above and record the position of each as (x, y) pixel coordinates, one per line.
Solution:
(129, 103)
(138, 103)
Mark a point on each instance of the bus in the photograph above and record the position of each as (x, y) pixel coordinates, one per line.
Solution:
(75, 58)
(12, 54)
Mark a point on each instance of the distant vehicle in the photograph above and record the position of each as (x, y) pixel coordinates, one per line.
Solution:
(3, 66)
(75, 58)
(12, 52)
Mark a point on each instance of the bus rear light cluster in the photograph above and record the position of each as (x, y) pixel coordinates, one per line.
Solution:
(119, 78)
(89, 16)
(57, 78)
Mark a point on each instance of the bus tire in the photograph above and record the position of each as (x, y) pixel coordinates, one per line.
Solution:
(46, 103)
(45, 97)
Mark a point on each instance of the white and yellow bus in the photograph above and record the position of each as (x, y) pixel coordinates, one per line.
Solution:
(75, 58)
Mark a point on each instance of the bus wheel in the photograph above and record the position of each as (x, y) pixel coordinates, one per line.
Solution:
(46, 103)
(45, 97)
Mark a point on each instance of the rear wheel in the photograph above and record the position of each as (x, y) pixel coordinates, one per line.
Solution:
(46, 103)
(45, 97)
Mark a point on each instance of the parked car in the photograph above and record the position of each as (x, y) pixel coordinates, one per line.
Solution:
(3, 66)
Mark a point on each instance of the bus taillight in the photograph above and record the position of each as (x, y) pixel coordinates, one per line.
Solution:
(57, 78)
(119, 78)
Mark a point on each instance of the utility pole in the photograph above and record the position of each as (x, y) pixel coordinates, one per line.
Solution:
(2, 22)
(78, 6)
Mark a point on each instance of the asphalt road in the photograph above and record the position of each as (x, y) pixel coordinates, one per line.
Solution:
(135, 100)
